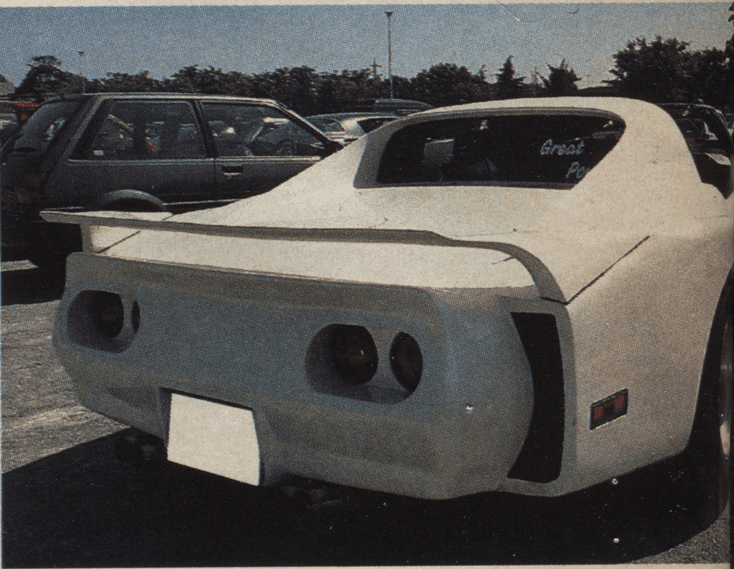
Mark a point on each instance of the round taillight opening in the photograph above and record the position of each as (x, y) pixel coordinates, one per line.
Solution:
(406, 361)
(353, 353)
(108, 313)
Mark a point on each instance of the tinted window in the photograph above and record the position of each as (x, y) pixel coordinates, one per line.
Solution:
(327, 125)
(42, 128)
(535, 150)
(250, 130)
(368, 125)
(136, 130)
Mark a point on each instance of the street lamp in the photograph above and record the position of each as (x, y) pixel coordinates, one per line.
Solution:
(81, 64)
(389, 50)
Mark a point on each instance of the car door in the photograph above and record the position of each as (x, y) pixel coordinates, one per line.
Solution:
(153, 146)
(258, 147)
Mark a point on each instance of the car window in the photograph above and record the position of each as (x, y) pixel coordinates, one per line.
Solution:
(368, 125)
(142, 130)
(43, 127)
(328, 126)
(252, 130)
(554, 151)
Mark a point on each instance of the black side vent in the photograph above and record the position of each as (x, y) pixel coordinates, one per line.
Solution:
(540, 457)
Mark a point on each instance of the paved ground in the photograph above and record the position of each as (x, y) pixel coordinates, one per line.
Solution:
(67, 502)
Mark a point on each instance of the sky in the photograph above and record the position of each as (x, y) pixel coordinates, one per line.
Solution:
(254, 39)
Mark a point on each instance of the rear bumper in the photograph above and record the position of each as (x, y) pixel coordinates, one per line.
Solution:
(245, 339)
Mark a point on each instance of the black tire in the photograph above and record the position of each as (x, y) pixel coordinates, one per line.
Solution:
(706, 461)
(53, 245)
(131, 205)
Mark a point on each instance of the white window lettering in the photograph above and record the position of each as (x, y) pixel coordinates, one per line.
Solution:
(549, 149)
(577, 169)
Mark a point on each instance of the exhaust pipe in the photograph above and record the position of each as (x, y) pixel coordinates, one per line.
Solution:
(139, 450)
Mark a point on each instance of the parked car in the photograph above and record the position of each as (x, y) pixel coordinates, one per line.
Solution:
(12, 115)
(400, 107)
(348, 127)
(708, 138)
(526, 296)
(141, 152)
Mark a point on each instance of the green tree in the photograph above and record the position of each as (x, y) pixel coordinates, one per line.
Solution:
(709, 78)
(658, 71)
(126, 83)
(448, 84)
(508, 86)
(336, 92)
(211, 81)
(295, 87)
(45, 78)
(561, 81)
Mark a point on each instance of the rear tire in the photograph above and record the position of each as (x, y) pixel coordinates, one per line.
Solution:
(53, 245)
(707, 461)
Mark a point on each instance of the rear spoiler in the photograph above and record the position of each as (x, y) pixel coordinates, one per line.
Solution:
(102, 230)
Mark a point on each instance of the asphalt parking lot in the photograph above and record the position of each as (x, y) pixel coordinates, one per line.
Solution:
(68, 502)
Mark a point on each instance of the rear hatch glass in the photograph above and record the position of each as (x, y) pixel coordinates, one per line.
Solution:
(536, 150)
(39, 132)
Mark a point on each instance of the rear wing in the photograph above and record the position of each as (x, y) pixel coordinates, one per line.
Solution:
(577, 264)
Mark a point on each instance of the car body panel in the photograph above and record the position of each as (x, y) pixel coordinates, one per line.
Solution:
(625, 268)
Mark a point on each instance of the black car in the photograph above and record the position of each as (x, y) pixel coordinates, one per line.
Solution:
(142, 152)
(705, 130)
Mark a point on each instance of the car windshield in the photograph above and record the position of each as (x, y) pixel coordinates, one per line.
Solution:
(549, 150)
(45, 124)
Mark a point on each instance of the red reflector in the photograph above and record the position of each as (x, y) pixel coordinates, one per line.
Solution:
(608, 409)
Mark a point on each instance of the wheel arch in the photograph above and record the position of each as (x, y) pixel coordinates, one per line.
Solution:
(133, 200)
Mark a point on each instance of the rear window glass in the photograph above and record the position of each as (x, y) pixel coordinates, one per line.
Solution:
(553, 151)
(43, 127)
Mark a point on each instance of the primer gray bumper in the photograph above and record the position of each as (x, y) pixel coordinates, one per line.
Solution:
(244, 339)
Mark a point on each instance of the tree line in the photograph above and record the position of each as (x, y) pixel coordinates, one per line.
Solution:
(659, 71)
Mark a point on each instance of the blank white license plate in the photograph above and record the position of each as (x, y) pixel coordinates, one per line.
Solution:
(214, 437)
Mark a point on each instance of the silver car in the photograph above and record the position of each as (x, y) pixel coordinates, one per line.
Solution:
(348, 127)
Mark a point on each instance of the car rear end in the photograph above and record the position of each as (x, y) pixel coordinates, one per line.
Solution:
(28, 158)
(414, 391)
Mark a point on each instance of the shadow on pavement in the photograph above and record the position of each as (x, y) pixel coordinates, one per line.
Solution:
(81, 508)
(23, 283)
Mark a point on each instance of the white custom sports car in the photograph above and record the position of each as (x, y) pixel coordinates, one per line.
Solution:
(528, 296)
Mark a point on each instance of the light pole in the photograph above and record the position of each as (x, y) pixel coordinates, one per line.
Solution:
(389, 50)
(81, 64)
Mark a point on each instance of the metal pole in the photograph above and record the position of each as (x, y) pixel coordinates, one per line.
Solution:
(81, 62)
(389, 51)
